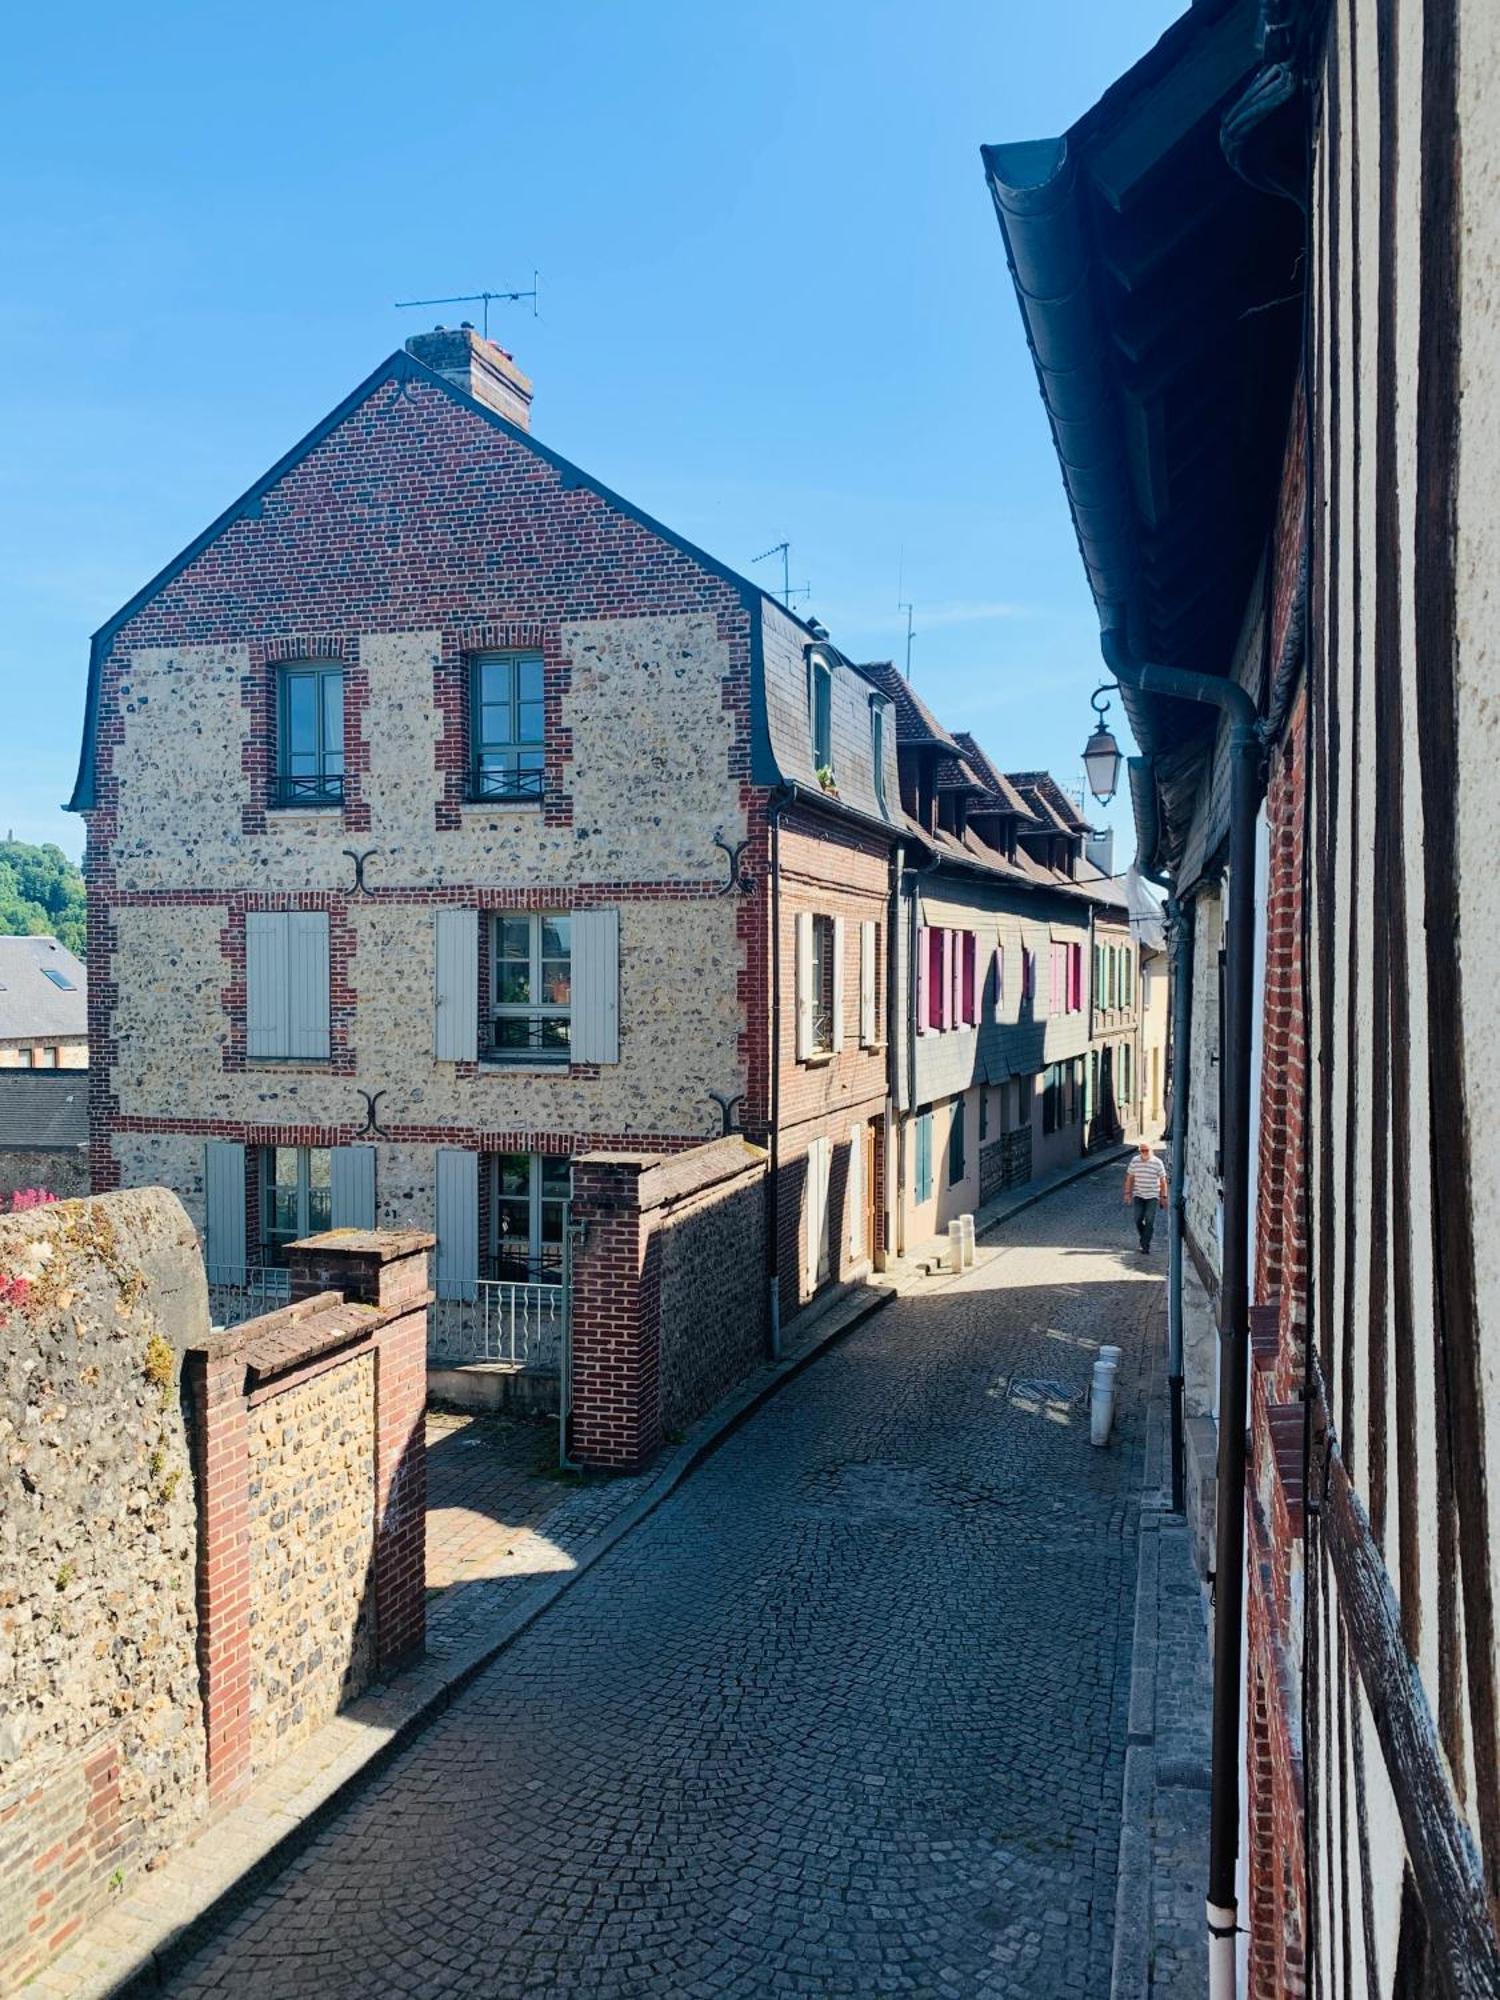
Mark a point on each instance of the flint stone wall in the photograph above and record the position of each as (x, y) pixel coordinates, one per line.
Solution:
(312, 1547)
(101, 1731)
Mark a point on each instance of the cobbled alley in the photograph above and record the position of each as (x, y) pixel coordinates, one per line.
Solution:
(846, 1715)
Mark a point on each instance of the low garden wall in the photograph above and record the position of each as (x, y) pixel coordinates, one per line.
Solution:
(208, 1541)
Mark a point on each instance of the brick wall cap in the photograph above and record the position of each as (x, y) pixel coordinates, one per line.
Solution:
(690, 1173)
(387, 1245)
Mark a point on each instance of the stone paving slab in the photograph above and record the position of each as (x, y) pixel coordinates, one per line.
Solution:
(505, 1542)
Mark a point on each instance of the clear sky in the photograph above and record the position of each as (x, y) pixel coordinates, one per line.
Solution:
(773, 301)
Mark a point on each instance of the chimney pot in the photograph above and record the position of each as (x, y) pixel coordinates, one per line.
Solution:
(478, 367)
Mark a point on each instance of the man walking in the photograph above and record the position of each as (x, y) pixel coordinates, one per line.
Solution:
(1146, 1186)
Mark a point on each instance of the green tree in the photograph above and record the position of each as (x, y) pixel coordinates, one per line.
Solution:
(41, 894)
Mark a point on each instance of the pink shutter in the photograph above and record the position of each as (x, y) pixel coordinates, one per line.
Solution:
(971, 967)
(921, 979)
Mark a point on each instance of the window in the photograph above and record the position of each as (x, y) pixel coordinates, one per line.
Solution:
(922, 1173)
(1127, 1073)
(506, 711)
(1075, 978)
(822, 717)
(286, 986)
(822, 984)
(529, 1195)
(956, 1166)
(296, 1198)
(877, 751)
(937, 985)
(1028, 975)
(1052, 1098)
(970, 989)
(59, 979)
(984, 1114)
(310, 737)
(999, 980)
(531, 1015)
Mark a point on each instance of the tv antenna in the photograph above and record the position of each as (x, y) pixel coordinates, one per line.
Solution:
(476, 298)
(908, 609)
(784, 550)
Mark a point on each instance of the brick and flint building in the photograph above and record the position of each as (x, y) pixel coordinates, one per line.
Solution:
(450, 820)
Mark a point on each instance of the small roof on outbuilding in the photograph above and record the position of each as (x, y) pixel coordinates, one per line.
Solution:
(43, 1110)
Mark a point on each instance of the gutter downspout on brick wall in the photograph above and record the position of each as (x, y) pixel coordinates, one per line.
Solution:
(895, 1124)
(777, 804)
(1234, 1331)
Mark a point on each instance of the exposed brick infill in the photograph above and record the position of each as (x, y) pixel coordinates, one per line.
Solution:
(628, 1208)
(357, 1296)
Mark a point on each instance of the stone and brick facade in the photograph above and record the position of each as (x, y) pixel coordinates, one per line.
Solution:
(419, 532)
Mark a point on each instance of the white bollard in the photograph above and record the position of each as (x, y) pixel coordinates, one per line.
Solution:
(966, 1223)
(1102, 1402)
(955, 1246)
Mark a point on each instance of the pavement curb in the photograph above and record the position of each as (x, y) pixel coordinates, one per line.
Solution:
(150, 1973)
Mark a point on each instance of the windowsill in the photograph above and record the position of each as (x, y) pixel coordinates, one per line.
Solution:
(288, 1062)
(491, 1066)
(529, 805)
(819, 1059)
(872, 1048)
(312, 807)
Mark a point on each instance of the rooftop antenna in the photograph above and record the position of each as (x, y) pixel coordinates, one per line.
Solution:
(903, 605)
(908, 609)
(784, 550)
(474, 298)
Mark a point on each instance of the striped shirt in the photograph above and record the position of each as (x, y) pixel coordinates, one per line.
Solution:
(1145, 1179)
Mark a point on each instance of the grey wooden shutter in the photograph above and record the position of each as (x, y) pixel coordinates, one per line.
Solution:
(352, 1187)
(224, 1211)
(307, 985)
(455, 1032)
(457, 1222)
(267, 985)
(838, 985)
(867, 1033)
(804, 976)
(596, 986)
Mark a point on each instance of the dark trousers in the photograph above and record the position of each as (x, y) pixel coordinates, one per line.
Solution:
(1145, 1219)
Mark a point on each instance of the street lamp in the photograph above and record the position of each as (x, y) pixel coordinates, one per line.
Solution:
(1101, 754)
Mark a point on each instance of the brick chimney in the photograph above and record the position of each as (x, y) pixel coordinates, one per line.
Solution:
(478, 367)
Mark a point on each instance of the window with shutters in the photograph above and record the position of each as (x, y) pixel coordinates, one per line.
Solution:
(286, 986)
(296, 1197)
(310, 736)
(529, 1194)
(823, 981)
(984, 1115)
(507, 730)
(531, 988)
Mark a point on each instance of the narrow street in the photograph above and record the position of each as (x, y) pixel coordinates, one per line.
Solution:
(847, 1715)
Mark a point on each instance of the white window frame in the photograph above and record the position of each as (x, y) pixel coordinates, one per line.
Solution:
(537, 1012)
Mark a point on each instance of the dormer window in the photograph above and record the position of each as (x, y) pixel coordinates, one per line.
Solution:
(820, 696)
(877, 752)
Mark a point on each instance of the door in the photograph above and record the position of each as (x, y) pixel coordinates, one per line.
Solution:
(873, 1245)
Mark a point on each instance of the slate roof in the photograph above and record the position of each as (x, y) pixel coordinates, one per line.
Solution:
(31, 1003)
(916, 725)
(994, 778)
(1041, 788)
(43, 1110)
(955, 775)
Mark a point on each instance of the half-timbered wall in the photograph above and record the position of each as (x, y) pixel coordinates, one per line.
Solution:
(1404, 1554)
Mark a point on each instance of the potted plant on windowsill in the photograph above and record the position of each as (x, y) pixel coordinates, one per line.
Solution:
(826, 779)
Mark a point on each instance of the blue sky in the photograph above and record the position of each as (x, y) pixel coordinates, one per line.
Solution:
(773, 301)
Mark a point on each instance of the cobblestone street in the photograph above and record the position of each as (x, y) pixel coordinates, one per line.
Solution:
(846, 1715)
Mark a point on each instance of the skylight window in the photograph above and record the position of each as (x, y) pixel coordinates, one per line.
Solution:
(59, 979)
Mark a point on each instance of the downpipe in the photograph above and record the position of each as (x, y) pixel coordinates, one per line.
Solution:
(1234, 1334)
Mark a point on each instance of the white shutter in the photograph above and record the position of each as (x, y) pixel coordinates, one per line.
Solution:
(856, 1190)
(224, 1211)
(596, 986)
(838, 985)
(457, 1222)
(867, 1034)
(352, 1180)
(455, 1033)
(307, 985)
(804, 975)
(268, 1030)
(816, 1258)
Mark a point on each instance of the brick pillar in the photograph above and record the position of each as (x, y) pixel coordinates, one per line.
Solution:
(388, 1268)
(216, 1377)
(616, 1318)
